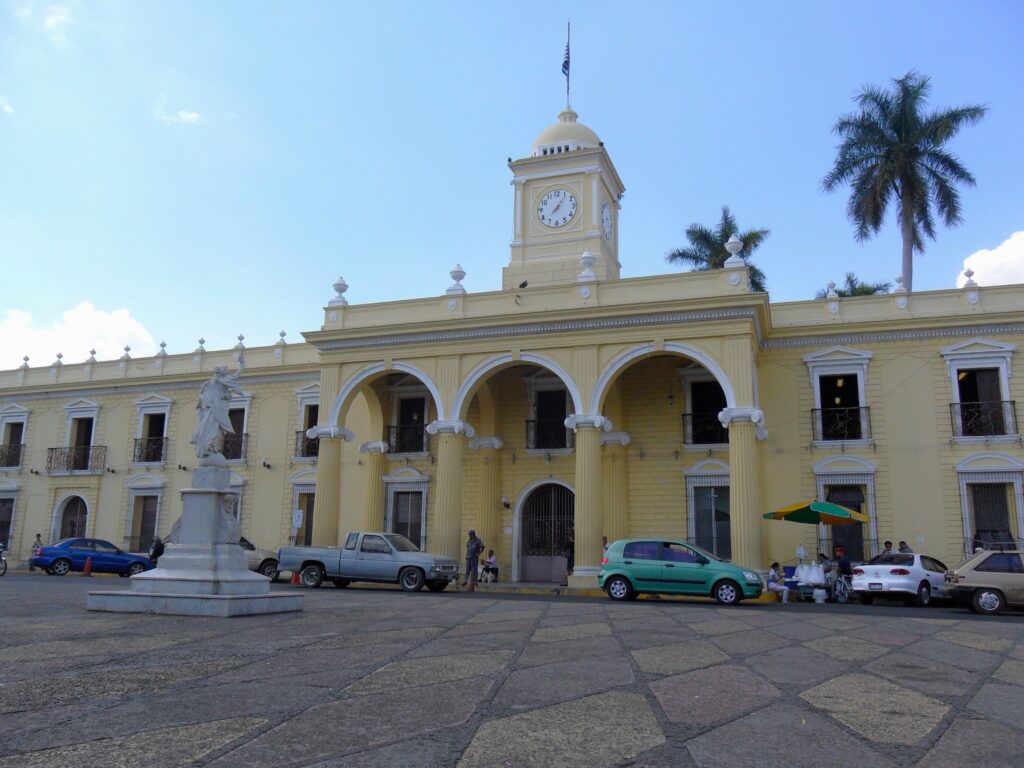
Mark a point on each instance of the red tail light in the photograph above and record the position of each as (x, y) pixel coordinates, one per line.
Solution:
(899, 572)
(858, 571)
(604, 561)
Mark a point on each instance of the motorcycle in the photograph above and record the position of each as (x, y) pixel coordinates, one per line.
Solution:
(3, 561)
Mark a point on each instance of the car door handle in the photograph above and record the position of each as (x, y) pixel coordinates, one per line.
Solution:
(669, 565)
(627, 562)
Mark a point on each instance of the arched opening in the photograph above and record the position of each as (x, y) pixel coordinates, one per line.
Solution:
(546, 525)
(73, 518)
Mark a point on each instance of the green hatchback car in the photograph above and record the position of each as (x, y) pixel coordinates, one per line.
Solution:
(634, 566)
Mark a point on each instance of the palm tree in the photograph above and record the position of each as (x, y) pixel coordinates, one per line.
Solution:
(891, 150)
(854, 286)
(707, 247)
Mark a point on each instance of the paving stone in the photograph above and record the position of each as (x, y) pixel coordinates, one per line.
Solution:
(549, 653)
(800, 631)
(719, 626)
(162, 748)
(1000, 702)
(768, 617)
(974, 640)
(570, 632)
(384, 637)
(795, 666)
(976, 742)
(678, 657)
(1010, 672)
(444, 645)
(840, 623)
(710, 696)
(883, 635)
(1018, 652)
(435, 750)
(847, 648)
(563, 620)
(878, 709)
(431, 669)
(924, 675)
(954, 655)
(571, 735)
(781, 735)
(744, 643)
(633, 640)
(540, 686)
(329, 730)
(493, 615)
(491, 627)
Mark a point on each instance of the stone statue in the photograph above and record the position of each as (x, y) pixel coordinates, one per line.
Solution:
(212, 409)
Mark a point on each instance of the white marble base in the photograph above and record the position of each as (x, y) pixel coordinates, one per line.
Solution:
(123, 601)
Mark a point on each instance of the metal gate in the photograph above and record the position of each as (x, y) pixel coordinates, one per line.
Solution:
(547, 523)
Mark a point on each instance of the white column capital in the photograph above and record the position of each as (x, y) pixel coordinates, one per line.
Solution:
(595, 420)
(451, 425)
(729, 415)
(615, 438)
(333, 431)
(373, 446)
(486, 442)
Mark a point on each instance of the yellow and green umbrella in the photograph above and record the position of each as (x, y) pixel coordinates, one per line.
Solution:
(817, 512)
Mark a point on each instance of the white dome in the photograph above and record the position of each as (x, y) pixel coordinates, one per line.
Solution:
(565, 136)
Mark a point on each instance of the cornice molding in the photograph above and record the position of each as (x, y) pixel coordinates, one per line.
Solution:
(908, 335)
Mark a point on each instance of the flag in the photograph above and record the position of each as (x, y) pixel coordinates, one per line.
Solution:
(565, 61)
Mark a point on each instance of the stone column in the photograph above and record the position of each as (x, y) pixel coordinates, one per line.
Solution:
(744, 486)
(587, 526)
(615, 501)
(373, 502)
(327, 502)
(488, 514)
(448, 499)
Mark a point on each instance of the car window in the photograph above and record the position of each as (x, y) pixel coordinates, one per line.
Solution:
(891, 558)
(642, 550)
(105, 546)
(374, 544)
(401, 543)
(931, 564)
(677, 553)
(244, 543)
(350, 542)
(81, 544)
(1001, 562)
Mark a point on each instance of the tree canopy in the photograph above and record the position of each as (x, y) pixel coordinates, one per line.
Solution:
(854, 286)
(707, 251)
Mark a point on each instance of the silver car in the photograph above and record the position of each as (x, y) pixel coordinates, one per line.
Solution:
(260, 560)
(914, 578)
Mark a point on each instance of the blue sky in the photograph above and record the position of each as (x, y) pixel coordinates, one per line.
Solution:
(171, 170)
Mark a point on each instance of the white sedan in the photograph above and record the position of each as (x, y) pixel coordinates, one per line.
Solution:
(912, 577)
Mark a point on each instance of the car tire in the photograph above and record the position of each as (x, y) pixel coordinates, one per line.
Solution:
(411, 579)
(924, 595)
(268, 568)
(341, 583)
(988, 601)
(866, 599)
(136, 568)
(60, 567)
(619, 588)
(312, 576)
(437, 586)
(727, 592)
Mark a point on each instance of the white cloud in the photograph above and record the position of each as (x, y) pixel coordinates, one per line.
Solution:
(78, 330)
(5, 106)
(1001, 265)
(181, 117)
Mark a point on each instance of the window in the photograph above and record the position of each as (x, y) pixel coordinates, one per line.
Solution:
(892, 559)
(304, 534)
(234, 445)
(979, 373)
(350, 540)
(408, 434)
(405, 505)
(11, 448)
(838, 380)
(6, 521)
(143, 524)
(1001, 562)
(677, 553)
(990, 516)
(931, 564)
(701, 425)
(549, 406)
(81, 442)
(150, 448)
(642, 550)
(711, 526)
(851, 535)
(308, 447)
(407, 515)
(375, 544)
(102, 546)
(839, 417)
(73, 519)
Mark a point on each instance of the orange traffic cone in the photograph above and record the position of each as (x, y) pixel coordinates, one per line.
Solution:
(295, 579)
(88, 567)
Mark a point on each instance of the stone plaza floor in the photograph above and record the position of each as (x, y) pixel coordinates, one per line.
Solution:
(376, 677)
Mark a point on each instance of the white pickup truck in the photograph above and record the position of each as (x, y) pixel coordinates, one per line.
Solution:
(370, 556)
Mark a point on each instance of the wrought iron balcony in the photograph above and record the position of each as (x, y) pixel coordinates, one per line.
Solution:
(86, 458)
(548, 434)
(408, 438)
(306, 447)
(234, 447)
(841, 424)
(703, 429)
(992, 540)
(150, 450)
(989, 418)
(10, 455)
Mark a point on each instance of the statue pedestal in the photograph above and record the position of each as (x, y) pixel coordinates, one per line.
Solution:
(202, 574)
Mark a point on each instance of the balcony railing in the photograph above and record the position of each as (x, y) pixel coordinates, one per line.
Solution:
(234, 446)
(10, 455)
(408, 438)
(992, 541)
(548, 434)
(988, 418)
(306, 447)
(150, 450)
(703, 429)
(841, 424)
(84, 458)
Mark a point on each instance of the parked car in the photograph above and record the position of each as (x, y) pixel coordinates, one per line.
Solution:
(634, 566)
(912, 577)
(70, 555)
(370, 556)
(260, 560)
(988, 581)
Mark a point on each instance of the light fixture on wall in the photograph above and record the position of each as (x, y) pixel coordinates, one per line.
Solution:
(266, 464)
(33, 471)
(671, 398)
(111, 470)
(183, 468)
(505, 502)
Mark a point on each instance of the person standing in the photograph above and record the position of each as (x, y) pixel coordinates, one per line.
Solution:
(905, 549)
(474, 548)
(570, 558)
(37, 544)
(156, 551)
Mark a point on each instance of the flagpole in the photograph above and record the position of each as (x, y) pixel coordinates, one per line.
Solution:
(568, 35)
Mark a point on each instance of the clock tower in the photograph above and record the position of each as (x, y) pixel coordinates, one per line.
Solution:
(566, 202)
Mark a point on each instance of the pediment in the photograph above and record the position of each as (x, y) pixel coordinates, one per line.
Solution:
(990, 461)
(838, 355)
(407, 475)
(13, 409)
(153, 399)
(308, 389)
(82, 404)
(839, 465)
(979, 347)
(303, 477)
(145, 480)
(708, 467)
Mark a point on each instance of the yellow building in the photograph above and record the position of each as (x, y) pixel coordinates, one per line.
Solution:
(570, 403)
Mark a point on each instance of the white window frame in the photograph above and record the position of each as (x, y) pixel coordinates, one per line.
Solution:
(9, 490)
(81, 409)
(710, 473)
(840, 361)
(972, 355)
(400, 392)
(407, 479)
(688, 374)
(58, 514)
(543, 381)
(13, 413)
(306, 395)
(848, 470)
(241, 401)
(991, 467)
(143, 484)
(152, 404)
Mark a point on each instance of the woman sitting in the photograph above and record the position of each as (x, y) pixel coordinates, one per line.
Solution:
(776, 584)
(490, 567)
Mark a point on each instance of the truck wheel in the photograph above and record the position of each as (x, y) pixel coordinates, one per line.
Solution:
(341, 583)
(411, 579)
(312, 576)
(437, 586)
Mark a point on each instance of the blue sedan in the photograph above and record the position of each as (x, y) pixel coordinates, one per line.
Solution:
(71, 554)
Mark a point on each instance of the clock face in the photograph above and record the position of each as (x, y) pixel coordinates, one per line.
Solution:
(557, 208)
(606, 219)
